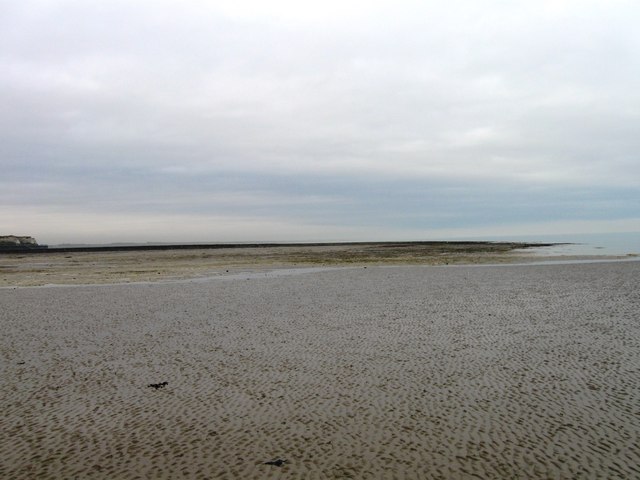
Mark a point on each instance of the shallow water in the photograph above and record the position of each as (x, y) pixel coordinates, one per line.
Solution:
(582, 244)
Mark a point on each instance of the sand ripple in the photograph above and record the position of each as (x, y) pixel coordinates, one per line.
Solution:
(408, 372)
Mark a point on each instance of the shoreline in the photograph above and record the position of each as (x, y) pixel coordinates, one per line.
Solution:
(220, 246)
(281, 271)
(128, 265)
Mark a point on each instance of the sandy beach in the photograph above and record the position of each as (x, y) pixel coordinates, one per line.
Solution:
(81, 267)
(380, 372)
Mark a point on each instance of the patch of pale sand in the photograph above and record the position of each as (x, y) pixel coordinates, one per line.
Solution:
(407, 372)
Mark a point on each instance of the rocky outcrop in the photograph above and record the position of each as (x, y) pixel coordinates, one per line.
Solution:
(16, 241)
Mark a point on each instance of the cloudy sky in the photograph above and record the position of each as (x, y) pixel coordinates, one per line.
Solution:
(336, 120)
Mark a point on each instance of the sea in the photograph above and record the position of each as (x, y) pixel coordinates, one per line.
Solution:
(625, 243)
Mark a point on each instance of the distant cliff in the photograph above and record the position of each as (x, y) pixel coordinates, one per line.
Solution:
(13, 242)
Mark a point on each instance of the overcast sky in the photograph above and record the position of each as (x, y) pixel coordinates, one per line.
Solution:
(334, 120)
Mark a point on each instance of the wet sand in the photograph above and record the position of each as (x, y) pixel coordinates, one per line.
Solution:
(378, 372)
(75, 267)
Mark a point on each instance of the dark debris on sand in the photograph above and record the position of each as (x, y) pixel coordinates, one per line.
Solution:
(278, 462)
(158, 385)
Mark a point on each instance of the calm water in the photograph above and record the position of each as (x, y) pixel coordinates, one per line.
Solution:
(584, 244)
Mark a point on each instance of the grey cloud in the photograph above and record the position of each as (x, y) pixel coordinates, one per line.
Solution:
(387, 110)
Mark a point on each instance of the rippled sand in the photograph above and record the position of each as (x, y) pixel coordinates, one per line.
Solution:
(378, 372)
